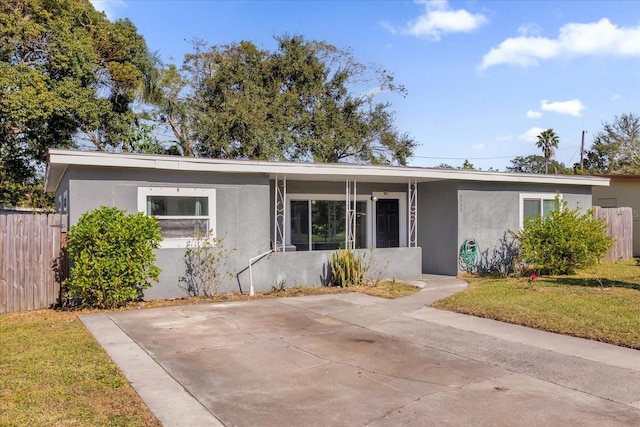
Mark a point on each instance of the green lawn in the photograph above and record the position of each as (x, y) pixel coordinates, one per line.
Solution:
(602, 304)
(52, 372)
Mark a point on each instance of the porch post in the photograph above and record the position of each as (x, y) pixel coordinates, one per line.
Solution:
(413, 213)
(279, 214)
(350, 215)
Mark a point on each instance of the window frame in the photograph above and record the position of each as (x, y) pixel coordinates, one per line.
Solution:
(370, 213)
(328, 197)
(534, 196)
(63, 202)
(181, 242)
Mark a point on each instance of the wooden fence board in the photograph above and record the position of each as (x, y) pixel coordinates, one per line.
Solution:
(4, 242)
(30, 246)
(29, 242)
(620, 227)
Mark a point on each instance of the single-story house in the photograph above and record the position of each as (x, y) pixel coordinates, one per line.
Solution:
(289, 217)
(623, 191)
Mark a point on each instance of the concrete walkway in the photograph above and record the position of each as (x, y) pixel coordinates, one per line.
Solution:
(352, 359)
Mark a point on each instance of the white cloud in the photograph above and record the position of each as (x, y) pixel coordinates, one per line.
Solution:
(109, 7)
(531, 135)
(614, 97)
(573, 107)
(439, 19)
(477, 147)
(529, 29)
(372, 92)
(597, 38)
(534, 114)
(504, 138)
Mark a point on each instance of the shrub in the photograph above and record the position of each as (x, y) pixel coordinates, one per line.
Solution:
(112, 257)
(206, 266)
(564, 241)
(347, 268)
(504, 260)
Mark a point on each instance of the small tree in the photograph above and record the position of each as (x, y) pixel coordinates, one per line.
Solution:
(205, 266)
(563, 241)
(112, 257)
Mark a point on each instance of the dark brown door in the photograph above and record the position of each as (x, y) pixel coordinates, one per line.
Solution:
(387, 223)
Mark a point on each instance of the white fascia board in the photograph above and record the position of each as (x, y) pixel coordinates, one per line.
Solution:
(308, 171)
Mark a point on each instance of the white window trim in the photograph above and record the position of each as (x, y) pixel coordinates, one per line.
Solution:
(402, 204)
(529, 196)
(210, 193)
(337, 197)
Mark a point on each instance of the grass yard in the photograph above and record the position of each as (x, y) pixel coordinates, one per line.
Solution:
(52, 371)
(601, 304)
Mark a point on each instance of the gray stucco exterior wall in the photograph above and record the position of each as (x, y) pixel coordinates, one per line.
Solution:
(438, 227)
(244, 219)
(449, 212)
(339, 187)
(313, 268)
(487, 212)
(242, 212)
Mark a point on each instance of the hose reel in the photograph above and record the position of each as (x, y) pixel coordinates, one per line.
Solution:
(469, 255)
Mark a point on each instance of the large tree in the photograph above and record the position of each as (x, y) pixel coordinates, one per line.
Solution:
(536, 164)
(547, 142)
(616, 148)
(67, 76)
(304, 101)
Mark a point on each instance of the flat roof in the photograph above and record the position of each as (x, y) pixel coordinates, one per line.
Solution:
(622, 178)
(59, 160)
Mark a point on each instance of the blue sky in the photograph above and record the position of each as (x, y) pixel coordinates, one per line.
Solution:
(484, 78)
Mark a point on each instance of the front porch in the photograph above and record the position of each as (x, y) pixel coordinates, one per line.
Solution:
(330, 215)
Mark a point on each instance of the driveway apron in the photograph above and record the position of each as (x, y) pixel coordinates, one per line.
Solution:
(350, 359)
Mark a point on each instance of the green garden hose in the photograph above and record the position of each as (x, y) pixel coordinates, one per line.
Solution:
(469, 255)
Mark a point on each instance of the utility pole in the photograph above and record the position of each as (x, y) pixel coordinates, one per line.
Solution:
(582, 151)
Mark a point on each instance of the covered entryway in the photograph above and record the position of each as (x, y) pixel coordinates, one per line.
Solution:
(327, 215)
(387, 223)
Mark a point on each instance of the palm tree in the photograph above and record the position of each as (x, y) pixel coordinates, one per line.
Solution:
(547, 141)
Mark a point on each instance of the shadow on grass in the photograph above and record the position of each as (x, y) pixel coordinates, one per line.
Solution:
(593, 282)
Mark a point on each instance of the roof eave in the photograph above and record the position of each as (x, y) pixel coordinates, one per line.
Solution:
(59, 160)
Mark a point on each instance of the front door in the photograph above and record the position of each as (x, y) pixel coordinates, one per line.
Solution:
(387, 223)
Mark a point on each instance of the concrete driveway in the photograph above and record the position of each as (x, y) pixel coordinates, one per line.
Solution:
(353, 360)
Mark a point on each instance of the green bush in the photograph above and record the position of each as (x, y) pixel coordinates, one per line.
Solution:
(112, 257)
(205, 266)
(564, 241)
(347, 268)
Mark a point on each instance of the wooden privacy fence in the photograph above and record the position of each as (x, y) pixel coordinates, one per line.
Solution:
(32, 260)
(620, 222)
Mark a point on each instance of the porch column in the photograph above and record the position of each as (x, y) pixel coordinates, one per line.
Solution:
(413, 213)
(350, 217)
(279, 215)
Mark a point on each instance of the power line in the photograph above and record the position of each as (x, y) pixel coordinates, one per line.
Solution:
(462, 158)
(482, 158)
